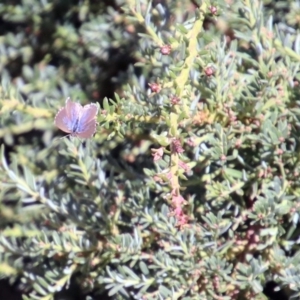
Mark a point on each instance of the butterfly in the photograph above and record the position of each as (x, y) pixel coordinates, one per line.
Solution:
(77, 120)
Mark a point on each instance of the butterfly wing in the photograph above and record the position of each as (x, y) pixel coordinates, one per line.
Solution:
(88, 131)
(87, 122)
(62, 121)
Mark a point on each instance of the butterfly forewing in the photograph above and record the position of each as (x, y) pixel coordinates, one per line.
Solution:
(89, 113)
(87, 122)
(61, 120)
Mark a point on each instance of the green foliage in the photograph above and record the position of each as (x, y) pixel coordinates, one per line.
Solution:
(190, 188)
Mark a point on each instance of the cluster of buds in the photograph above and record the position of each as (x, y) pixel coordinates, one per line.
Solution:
(165, 49)
(155, 87)
(178, 202)
(176, 146)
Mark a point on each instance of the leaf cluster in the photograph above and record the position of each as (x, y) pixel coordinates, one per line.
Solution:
(190, 187)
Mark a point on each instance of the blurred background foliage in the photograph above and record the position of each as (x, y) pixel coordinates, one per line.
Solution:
(62, 211)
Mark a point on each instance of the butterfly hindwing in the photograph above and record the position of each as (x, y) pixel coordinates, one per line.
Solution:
(89, 130)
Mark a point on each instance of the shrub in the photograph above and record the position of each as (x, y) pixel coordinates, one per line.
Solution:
(190, 188)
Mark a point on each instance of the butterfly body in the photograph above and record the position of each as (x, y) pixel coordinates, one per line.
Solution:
(74, 130)
(77, 120)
